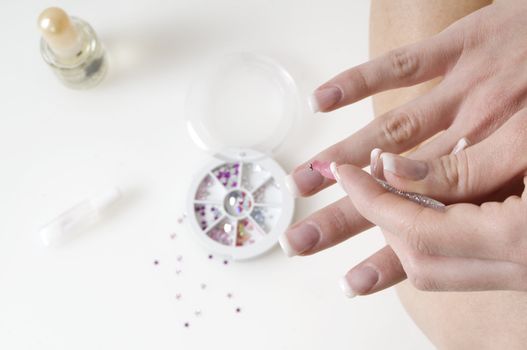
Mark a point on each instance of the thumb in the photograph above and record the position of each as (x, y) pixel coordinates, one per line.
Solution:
(467, 174)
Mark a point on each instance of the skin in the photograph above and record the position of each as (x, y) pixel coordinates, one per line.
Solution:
(451, 320)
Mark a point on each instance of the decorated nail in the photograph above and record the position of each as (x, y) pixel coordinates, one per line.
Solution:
(404, 167)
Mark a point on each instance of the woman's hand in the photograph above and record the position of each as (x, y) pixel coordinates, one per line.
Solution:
(483, 59)
(464, 247)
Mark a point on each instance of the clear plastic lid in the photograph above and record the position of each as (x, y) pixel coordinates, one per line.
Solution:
(244, 101)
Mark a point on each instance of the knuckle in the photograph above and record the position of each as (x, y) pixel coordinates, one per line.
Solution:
(399, 128)
(418, 243)
(357, 77)
(418, 275)
(417, 239)
(337, 219)
(404, 64)
(423, 283)
(452, 171)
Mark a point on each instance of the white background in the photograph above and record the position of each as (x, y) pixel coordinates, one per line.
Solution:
(57, 146)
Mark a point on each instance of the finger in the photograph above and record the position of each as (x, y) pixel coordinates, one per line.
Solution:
(474, 172)
(379, 271)
(447, 142)
(396, 131)
(405, 66)
(376, 165)
(389, 211)
(492, 231)
(323, 229)
(437, 273)
(440, 273)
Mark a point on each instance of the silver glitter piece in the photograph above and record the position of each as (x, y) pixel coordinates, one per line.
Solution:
(414, 197)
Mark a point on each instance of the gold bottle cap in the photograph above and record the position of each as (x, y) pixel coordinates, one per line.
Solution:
(59, 32)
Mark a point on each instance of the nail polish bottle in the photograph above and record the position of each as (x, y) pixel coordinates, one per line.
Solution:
(71, 48)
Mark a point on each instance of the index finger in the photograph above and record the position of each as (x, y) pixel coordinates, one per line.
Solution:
(405, 66)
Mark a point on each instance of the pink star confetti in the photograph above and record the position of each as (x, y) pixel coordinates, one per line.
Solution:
(181, 219)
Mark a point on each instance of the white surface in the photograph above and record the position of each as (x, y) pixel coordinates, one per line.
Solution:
(102, 291)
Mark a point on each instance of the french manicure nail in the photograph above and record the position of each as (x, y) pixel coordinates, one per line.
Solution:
(404, 167)
(334, 171)
(323, 168)
(299, 239)
(291, 185)
(460, 145)
(325, 98)
(362, 279)
(374, 161)
(313, 104)
(303, 181)
(346, 288)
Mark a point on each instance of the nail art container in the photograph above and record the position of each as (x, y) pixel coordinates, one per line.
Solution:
(240, 110)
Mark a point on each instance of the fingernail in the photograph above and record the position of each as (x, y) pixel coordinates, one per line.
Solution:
(460, 145)
(346, 288)
(374, 162)
(362, 279)
(303, 181)
(300, 239)
(404, 167)
(334, 171)
(325, 98)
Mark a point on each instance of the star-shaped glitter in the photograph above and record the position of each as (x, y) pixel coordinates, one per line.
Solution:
(181, 219)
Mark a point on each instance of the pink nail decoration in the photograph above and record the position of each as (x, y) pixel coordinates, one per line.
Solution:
(322, 168)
